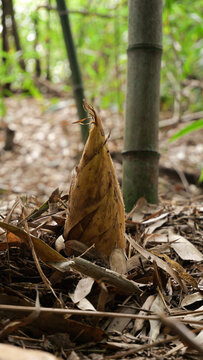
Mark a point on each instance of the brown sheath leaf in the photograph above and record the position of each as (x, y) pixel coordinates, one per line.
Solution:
(96, 209)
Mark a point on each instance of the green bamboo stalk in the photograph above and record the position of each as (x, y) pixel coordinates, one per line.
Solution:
(78, 88)
(140, 154)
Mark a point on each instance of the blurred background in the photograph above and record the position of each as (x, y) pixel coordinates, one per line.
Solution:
(39, 144)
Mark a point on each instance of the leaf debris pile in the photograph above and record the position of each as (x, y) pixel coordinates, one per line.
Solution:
(74, 306)
(164, 260)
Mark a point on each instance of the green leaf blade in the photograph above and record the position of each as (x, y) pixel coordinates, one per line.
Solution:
(196, 125)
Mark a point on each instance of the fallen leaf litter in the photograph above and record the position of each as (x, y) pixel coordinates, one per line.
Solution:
(171, 234)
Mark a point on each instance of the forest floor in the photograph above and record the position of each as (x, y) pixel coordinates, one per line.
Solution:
(47, 147)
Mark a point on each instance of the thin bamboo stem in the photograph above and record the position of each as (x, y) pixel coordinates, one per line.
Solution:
(94, 313)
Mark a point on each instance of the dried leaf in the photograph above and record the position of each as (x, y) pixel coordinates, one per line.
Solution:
(184, 248)
(133, 262)
(198, 317)
(156, 238)
(199, 338)
(118, 262)
(155, 219)
(119, 324)
(73, 356)
(103, 297)
(10, 352)
(151, 257)
(138, 211)
(138, 325)
(85, 304)
(44, 251)
(142, 208)
(192, 299)
(83, 288)
(59, 243)
(96, 210)
(180, 270)
(12, 241)
(157, 224)
(155, 325)
(13, 238)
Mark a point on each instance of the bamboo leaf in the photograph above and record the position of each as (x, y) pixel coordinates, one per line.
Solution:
(196, 125)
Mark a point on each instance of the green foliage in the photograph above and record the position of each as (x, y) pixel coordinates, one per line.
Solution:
(100, 32)
(201, 177)
(2, 107)
(11, 72)
(9, 67)
(182, 58)
(196, 125)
